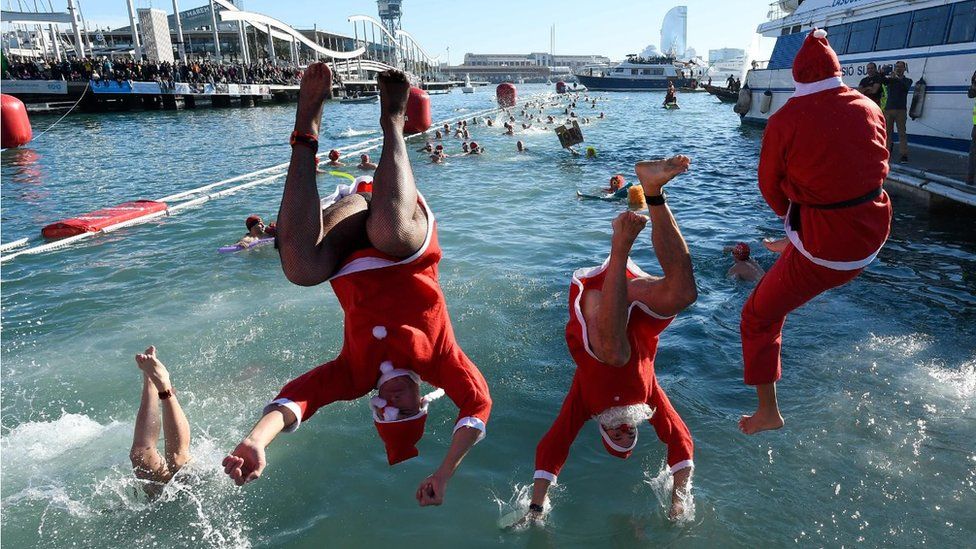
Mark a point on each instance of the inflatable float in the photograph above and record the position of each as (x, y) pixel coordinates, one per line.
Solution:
(238, 248)
(672, 106)
(101, 219)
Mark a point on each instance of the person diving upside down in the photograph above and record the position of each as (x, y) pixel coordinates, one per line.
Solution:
(821, 167)
(380, 253)
(616, 315)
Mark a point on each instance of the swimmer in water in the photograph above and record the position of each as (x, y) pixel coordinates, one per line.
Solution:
(397, 329)
(437, 135)
(334, 159)
(509, 129)
(519, 146)
(157, 393)
(618, 186)
(318, 163)
(464, 147)
(617, 313)
(489, 122)
(255, 231)
(590, 152)
(745, 268)
(671, 97)
(474, 148)
(601, 115)
(364, 163)
(427, 148)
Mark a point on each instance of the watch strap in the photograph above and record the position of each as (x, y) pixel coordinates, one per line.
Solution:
(658, 200)
(310, 140)
(163, 395)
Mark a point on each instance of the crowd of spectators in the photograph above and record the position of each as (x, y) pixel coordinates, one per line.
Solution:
(124, 69)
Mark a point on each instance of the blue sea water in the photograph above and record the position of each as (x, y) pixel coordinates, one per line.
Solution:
(879, 376)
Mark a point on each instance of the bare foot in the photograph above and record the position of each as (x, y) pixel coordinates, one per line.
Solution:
(153, 368)
(654, 174)
(760, 421)
(394, 91)
(777, 246)
(316, 87)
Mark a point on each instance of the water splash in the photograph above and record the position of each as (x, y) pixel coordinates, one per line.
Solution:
(349, 132)
(662, 484)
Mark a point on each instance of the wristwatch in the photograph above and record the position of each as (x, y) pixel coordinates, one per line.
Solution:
(658, 200)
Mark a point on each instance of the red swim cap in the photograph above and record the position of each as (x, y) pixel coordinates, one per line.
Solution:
(251, 221)
(741, 251)
(333, 155)
(473, 145)
(619, 180)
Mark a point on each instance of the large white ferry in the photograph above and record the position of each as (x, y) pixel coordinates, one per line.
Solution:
(936, 38)
(640, 74)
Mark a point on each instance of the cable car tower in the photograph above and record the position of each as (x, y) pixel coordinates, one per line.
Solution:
(390, 11)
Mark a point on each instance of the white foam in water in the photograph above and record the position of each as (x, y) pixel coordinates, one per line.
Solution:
(349, 132)
(39, 441)
(662, 484)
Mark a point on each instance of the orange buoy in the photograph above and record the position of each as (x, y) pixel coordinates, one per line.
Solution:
(418, 112)
(506, 94)
(560, 87)
(15, 127)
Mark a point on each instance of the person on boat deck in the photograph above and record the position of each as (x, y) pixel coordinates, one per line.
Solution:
(364, 163)
(157, 393)
(334, 159)
(896, 108)
(744, 268)
(871, 84)
(380, 253)
(829, 193)
(256, 230)
(617, 313)
(671, 97)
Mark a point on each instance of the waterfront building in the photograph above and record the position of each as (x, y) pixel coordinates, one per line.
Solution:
(571, 62)
(157, 44)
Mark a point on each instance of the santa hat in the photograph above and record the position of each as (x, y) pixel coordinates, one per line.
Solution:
(400, 436)
(816, 67)
(741, 251)
(615, 450)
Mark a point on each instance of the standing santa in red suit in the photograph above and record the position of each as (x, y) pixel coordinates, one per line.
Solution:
(821, 169)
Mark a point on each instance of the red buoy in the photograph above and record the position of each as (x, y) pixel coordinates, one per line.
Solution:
(560, 87)
(15, 128)
(418, 112)
(505, 94)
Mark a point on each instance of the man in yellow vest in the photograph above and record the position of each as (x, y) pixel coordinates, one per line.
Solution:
(972, 144)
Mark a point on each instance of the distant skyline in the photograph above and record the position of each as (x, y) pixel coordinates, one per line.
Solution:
(503, 26)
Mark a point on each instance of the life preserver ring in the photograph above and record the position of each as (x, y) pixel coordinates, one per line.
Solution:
(744, 103)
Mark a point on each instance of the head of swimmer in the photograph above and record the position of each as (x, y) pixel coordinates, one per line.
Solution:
(364, 158)
(403, 394)
(622, 435)
(255, 225)
(520, 146)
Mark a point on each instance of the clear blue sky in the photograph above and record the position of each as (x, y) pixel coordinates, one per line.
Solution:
(611, 28)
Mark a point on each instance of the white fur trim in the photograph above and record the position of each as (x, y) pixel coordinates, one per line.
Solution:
(472, 422)
(631, 414)
(820, 33)
(433, 395)
(370, 263)
(388, 372)
(807, 88)
(379, 332)
(835, 265)
(589, 272)
(295, 409)
(613, 445)
(545, 475)
(682, 465)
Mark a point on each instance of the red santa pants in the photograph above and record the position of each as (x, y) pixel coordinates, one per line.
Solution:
(792, 281)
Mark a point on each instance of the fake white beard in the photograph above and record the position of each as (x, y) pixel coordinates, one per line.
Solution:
(632, 414)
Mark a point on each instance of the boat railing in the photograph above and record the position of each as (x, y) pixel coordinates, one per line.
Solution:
(776, 11)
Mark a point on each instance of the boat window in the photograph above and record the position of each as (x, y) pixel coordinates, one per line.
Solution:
(962, 28)
(929, 26)
(633, 71)
(837, 36)
(892, 31)
(646, 71)
(862, 36)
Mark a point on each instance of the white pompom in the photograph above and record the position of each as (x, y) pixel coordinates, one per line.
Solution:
(379, 332)
(390, 413)
(386, 367)
(820, 33)
(377, 402)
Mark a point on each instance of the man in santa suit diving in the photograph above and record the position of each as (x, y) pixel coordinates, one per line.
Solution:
(616, 314)
(821, 168)
(380, 253)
